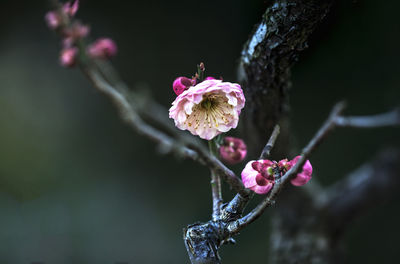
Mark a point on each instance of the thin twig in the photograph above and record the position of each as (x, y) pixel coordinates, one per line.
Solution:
(235, 226)
(216, 195)
(271, 142)
(215, 185)
(391, 118)
(334, 120)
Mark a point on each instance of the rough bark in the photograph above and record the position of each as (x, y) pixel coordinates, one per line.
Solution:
(265, 65)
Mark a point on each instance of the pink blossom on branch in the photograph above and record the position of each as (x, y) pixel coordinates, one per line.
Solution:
(102, 48)
(208, 108)
(233, 150)
(261, 175)
(258, 176)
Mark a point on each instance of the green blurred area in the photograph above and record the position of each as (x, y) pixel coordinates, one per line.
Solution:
(77, 186)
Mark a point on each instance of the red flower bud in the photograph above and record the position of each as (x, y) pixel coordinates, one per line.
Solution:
(181, 84)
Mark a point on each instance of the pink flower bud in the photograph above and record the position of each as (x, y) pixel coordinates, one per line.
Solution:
(233, 150)
(181, 84)
(68, 57)
(70, 8)
(209, 78)
(53, 19)
(257, 176)
(102, 48)
(74, 33)
(304, 176)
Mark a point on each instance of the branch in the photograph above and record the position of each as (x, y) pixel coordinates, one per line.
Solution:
(371, 184)
(271, 142)
(181, 146)
(266, 61)
(269, 200)
(391, 118)
(236, 206)
(334, 120)
(215, 185)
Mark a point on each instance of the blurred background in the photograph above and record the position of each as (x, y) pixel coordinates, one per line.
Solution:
(78, 186)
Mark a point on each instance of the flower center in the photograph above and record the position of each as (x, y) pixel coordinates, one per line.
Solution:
(209, 103)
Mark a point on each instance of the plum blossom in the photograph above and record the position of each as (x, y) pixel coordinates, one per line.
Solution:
(102, 48)
(208, 108)
(233, 150)
(304, 176)
(258, 176)
(68, 56)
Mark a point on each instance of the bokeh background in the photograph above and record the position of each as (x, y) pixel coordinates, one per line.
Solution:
(78, 186)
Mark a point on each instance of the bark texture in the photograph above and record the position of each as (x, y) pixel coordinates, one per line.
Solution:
(265, 65)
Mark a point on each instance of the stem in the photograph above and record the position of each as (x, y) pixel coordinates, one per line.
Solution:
(215, 184)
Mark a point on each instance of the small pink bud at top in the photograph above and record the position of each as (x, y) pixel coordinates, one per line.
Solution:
(202, 67)
(233, 150)
(102, 48)
(68, 57)
(53, 19)
(209, 78)
(257, 176)
(70, 8)
(181, 84)
(304, 176)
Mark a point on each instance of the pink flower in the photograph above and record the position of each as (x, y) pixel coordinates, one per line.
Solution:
(181, 84)
(53, 19)
(304, 176)
(76, 32)
(103, 48)
(233, 150)
(68, 56)
(208, 108)
(70, 8)
(257, 176)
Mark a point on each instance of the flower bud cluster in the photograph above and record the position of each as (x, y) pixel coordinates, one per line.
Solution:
(73, 32)
(261, 175)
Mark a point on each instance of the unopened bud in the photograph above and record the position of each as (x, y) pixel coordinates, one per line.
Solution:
(53, 19)
(70, 8)
(233, 150)
(74, 33)
(68, 57)
(181, 84)
(202, 67)
(103, 48)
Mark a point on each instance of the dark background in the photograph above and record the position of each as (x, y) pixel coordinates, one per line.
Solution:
(77, 186)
